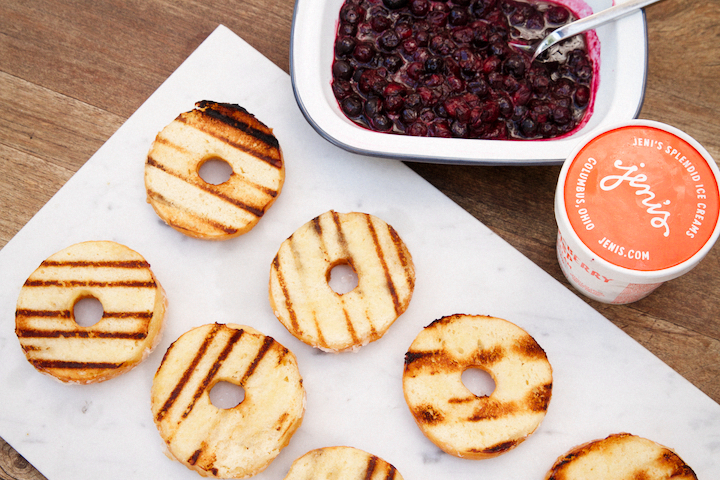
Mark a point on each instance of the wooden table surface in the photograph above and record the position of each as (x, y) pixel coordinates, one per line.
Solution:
(72, 71)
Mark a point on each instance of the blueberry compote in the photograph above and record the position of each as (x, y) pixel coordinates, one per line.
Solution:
(445, 69)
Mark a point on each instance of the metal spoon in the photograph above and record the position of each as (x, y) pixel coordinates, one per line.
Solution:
(582, 25)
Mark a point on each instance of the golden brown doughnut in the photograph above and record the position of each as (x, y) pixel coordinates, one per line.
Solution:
(304, 302)
(236, 442)
(451, 416)
(620, 456)
(200, 209)
(346, 463)
(133, 302)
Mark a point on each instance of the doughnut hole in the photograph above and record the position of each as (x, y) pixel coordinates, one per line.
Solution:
(215, 170)
(226, 395)
(88, 311)
(342, 278)
(478, 381)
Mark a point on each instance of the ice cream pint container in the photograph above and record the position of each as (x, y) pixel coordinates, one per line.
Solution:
(636, 206)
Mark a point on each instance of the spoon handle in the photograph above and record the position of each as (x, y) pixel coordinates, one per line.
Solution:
(591, 21)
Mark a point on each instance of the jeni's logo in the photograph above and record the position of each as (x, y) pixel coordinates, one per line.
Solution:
(639, 182)
(638, 197)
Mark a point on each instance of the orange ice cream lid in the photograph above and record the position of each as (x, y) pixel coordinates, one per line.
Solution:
(641, 198)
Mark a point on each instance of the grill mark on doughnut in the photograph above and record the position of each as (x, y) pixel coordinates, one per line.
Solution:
(431, 362)
(489, 409)
(415, 361)
(213, 370)
(373, 330)
(166, 141)
(66, 364)
(350, 327)
(463, 400)
(386, 270)
(147, 315)
(538, 399)
(428, 414)
(207, 463)
(321, 239)
(89, 283)
(557, 469)
(283, 352)
(161, 166)
(218, 112)
(489, 356)
(316, 225)
(297, 258)
(158, 197)
(286, 293)
(54, 315)
(341, 235)
(499, 448)
(267, 343)
(194, 457)
(404, 260)
(255, 153)
(529, 348)
(372, 463)
(281, 421)
(208, 188)
(391, 472)
(412, 357)
(35, 333)
(268, 139)
(139, 264)
(671, 461)
(24, 312)
(188, 372)
(440, 321)
(342, 240)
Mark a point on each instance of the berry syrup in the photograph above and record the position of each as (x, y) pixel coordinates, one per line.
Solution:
(445, 69)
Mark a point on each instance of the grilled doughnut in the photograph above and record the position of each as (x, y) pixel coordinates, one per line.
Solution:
(456, 420)
(214, 131)
(133, 312)
(347, 463)
(236, 442)
(311, 310)
(620, 456)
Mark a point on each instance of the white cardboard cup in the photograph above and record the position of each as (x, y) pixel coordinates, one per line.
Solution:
(597, 257)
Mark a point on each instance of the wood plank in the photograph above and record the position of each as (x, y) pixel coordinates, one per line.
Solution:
(56, 128)
(45, 137)
(80, 48)
(13, 466)
(683, 68)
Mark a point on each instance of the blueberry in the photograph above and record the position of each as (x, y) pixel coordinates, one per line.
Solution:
(395, 4)
(342, 70)
(352, 106)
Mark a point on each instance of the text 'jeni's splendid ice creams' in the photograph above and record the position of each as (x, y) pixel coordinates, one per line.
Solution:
(636, 205)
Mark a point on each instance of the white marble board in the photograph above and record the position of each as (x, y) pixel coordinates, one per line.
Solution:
(604, 382)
